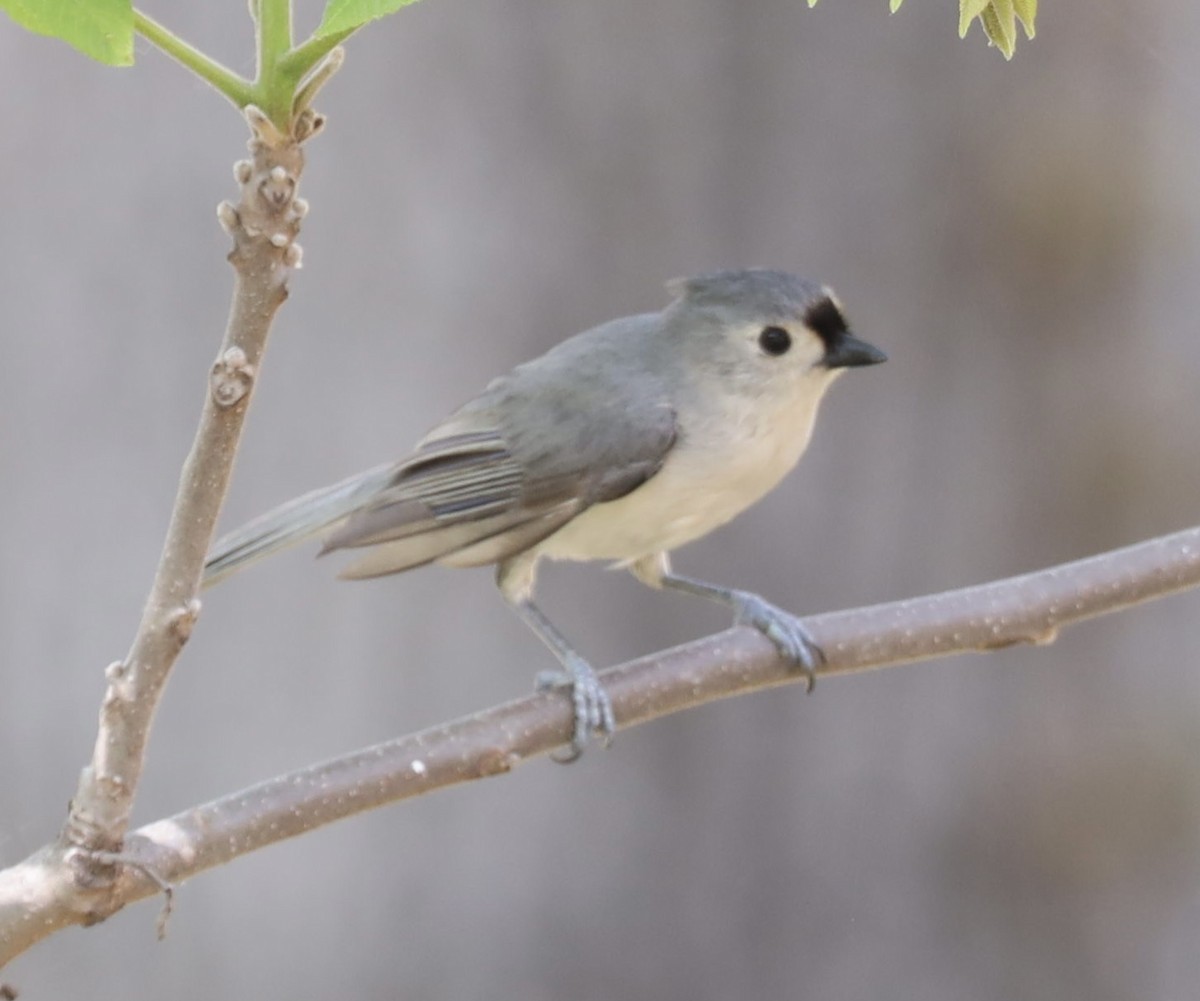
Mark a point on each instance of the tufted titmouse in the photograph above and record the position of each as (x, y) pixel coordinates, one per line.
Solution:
(619, 444)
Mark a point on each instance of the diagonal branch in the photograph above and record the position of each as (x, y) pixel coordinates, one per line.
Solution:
(37, 896)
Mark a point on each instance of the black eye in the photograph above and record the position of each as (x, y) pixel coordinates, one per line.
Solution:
(774, 340)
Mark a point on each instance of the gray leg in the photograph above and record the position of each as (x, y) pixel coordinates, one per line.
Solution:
(593, 708)
(782, 628)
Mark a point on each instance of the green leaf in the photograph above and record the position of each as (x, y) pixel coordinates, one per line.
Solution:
(999, 19)
(1000, 23)
(101, 29)
(968, 10)
(1027, 14)
(811, 4)
(895, 5)
(346, 15)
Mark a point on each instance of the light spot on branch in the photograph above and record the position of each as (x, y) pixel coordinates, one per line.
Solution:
(183, 620)
(263, 128)
(231, 378)
(308, 124)
(228, 217)
(278, 187)
(496, 762)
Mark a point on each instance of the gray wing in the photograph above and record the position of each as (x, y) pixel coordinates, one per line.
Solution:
(292, 523)
(576, 427)
(481, 489)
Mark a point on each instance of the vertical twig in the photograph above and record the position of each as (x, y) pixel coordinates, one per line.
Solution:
(264, 225)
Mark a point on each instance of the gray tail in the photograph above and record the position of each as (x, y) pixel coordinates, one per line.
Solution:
(291, 523)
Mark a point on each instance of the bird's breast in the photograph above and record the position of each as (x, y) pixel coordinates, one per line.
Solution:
(719, 466)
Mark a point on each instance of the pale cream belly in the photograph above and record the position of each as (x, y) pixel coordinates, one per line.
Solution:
(689, 497)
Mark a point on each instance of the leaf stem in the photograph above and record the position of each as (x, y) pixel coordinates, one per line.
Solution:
(240, 91)
(272, 87)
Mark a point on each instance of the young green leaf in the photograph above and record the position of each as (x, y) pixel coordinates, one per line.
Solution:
(346, 15)
(1000, 23)
(999, 18)
(812, 3)
(968, 10)
(101, 29)
(895, 5)
(1026, 14)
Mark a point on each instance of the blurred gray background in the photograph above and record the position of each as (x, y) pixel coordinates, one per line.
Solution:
(1021, 238)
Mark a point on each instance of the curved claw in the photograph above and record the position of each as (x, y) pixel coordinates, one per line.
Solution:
(784, 630)
(593, 708)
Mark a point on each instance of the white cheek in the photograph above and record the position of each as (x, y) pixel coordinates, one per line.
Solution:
(809, 354)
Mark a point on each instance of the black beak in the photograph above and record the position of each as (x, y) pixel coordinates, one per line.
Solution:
(849, 352)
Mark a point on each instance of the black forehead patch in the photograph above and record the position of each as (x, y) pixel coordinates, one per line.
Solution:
(825, 320)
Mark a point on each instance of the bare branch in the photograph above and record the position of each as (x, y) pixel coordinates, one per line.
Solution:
(264, 225)
(42, 893)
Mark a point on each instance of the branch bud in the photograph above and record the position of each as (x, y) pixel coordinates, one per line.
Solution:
(231, 378)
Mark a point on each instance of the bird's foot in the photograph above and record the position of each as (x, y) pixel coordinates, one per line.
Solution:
(783, 629)
(593, 708)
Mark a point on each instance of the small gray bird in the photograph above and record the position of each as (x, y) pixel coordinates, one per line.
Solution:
(620, 444)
